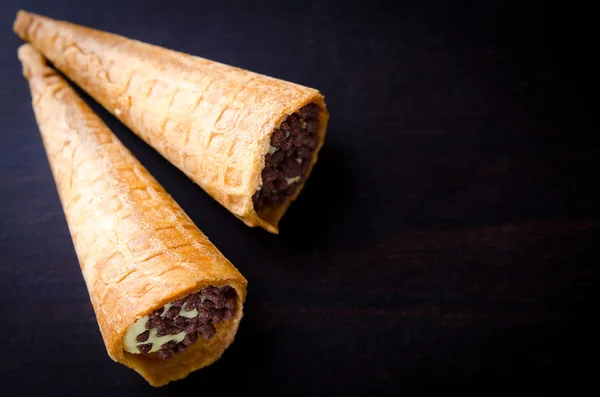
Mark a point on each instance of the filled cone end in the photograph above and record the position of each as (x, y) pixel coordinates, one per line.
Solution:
(140, 254)
(293, 150)
(198, 114)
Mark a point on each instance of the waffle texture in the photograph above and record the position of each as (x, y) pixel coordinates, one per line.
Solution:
(137, 248)
(212, 121)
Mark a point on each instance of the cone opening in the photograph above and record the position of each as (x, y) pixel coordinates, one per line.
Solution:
(288, 161)
(176, 326)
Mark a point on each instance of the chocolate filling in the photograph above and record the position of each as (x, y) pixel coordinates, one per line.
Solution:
(214, 304)
(286, 164)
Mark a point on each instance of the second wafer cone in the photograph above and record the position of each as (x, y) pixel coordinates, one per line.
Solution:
(213, 121)
(137, 249)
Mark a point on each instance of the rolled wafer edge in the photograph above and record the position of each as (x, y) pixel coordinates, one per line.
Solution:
(194, 129)
(137, 249)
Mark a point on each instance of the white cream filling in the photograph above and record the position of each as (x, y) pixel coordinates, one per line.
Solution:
(130, 344)
(292, 180)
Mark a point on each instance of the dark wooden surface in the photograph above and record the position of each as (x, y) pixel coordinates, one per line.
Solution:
(447, 238)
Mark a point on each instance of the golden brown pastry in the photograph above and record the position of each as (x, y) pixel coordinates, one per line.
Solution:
(166, 300)
(248, 140)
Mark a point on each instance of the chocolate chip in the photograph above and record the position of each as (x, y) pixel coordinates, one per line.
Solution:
(288, 144)
(230, 302)
(190, 338)
(157, 312)
(281, 184)
(166, 352)
(207, 304)
(210, 291)
(220, 303)
(162, 331)
(277, 137)
(277, 157)
(145, 348)
(192, 302)
(229, 313)
(294, 123)
(207, 331)
(179, 302)
(303, 153)
(181, 322)
(268, 189)
(151, 323)
(311, 126)
(298, 140)
(217, 315)
(309, 111)
(285, 129)
(143, 337)
(230, 297)
(270, 175)
(169, 345)
(291, 168)
(217, 297)
(173, 312)
(164, 328)
(269, 161)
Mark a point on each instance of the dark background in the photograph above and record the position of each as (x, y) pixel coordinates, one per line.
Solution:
(447, 239)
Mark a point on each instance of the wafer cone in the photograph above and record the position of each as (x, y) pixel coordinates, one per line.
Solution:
(138, 250)
(212, 121)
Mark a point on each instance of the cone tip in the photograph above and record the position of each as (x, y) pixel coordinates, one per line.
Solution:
(21, 24)
(33, 62)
